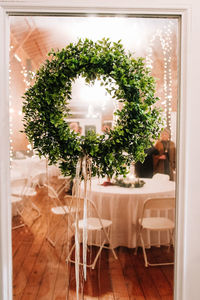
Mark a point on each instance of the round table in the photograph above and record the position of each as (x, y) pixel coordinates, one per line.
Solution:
(31, 167)
(124, 206)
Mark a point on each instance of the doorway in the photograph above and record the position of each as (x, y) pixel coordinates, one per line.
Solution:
(155, 39)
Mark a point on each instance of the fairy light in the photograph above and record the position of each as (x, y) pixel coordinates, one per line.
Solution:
(26, 78)
(25, 74)
(11, 111)
(164, 36)
(17, 57)
(29, 147)
(167, 47)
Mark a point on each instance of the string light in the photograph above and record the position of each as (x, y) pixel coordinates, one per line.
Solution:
(26, 78)
(17, 57)
(11, 111)
(164, 36)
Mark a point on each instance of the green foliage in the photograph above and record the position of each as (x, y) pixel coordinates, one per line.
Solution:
(136, 184)
(46, 108)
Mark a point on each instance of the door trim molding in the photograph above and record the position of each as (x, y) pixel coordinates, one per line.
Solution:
(105, 7)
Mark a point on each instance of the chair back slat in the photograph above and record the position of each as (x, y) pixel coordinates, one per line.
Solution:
(20, 185)
(93, 211)
(51, 191)
(74, 202)
(157, 224)
(39, 179)
(159, 203)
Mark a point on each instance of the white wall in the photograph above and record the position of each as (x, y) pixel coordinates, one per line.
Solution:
(188, 212)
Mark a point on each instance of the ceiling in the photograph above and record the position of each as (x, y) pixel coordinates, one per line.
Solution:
(33, 37)
(38, 35)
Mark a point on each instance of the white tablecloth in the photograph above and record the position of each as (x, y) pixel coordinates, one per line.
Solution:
(31, 167)
(124, 206)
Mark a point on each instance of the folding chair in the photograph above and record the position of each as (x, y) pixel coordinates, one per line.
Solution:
(66, 209)
(39, 180)
(21, 192)
(95, 224)
(155, 224)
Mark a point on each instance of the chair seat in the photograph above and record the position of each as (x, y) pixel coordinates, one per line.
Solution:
(94, 224)
(15, 199)
(62, 210)
(157, 223)
(29, 191)
(103, 227)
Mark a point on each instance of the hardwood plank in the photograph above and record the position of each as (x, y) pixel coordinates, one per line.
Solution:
(118, 283)
(19, 284)
(40, 271)
(65, 285)
(104, 278)
(169, 274)
(167, 297)
(18, 236)
(25, 258)
(47, 285)
(71, 291)
(36, 261)
(18, 262)
(133, 285)
(169, 270)
(62, 281)
(24, 247)
(163, 286)
(149, 289)
(29, 259)
(91, 288)
(163, 254)
(29, 227)
(35, 278)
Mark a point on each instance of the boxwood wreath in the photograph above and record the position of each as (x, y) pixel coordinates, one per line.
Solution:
(46, 108)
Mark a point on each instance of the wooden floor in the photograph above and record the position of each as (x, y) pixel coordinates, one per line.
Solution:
(40, 271)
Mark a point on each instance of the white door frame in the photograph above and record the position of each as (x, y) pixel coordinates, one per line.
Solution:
(105, 6)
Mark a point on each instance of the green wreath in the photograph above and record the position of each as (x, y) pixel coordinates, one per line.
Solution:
(126, 79)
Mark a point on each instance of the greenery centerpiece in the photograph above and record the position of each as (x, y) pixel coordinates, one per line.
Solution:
(136, 183)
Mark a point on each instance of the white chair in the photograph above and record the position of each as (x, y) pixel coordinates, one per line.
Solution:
(66, 209)
(39, 180)
(155, 224)
(21, 192)
(158, 177)
(97, 225)
(66, 183)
